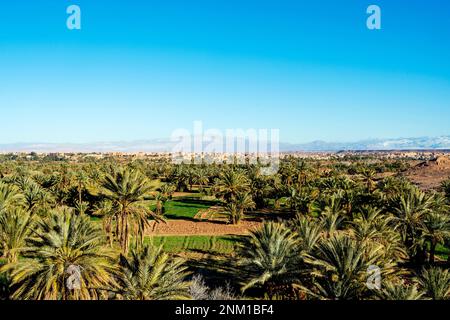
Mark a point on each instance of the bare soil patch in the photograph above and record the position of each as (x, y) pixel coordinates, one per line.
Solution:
(178, 194)
(213, 228)
(429, 175)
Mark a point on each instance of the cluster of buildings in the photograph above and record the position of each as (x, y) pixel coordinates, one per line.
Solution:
(230, 158)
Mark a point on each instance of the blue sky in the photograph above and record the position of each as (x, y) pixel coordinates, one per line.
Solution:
(141, 69)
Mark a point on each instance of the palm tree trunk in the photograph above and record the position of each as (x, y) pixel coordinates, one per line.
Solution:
(241, 216)
(127, 238)
(124, 233)
(79, 193)
(117, 227)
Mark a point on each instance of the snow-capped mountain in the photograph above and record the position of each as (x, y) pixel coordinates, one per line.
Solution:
(442, 142)
(166, 145)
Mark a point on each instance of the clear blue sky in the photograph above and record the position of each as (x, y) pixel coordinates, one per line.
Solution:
(141, 69)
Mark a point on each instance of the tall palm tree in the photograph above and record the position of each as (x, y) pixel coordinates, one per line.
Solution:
(268, 258)
(127, 190)
(167, 190)
(278, 190)
(303, 171)
(410, 210)
(374, 228)
(202, 178)
(230, 183)
(64, 259)
(436, 230)
(160, 201)
(339, 269)
(181, 177)
(81, 180)
(260, 187)
(161, 197)
(151, 274)
(10, 196)
(366, 223)
(368, 176)
(436, 283)
(243, 202)
(348, 194)
(192, 177)
(35, 197)
(15, 227)
(233, 212)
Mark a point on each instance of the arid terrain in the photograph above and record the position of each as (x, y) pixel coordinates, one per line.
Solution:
(429, 174)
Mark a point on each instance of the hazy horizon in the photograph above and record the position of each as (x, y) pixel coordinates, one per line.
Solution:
(168, 145)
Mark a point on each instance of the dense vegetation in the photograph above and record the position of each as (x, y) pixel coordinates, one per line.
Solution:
(80, 229)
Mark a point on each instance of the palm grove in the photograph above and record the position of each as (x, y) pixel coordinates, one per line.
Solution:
(331, 221)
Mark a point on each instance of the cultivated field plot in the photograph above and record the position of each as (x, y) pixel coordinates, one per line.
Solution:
(201, 244)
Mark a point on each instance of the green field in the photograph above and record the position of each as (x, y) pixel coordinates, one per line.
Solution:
(179, 208)
(185, 208)
(442, 251)
(210, 244)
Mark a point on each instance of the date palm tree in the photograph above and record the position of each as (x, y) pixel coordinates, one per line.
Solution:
(202, 178)
(368, 176)
(127, 191)
(339, 269)
(151, 274)
(181, 177)
(165, 193)
(309, 231)
(80, 180)
(35, 198)
(331, 221)
(260, 187)
(436, 283)
(243, 202)
(230, 183)
(268, 258)
(374, 228)
(64, 259)
(167, 190)
(436, 230)
(445, 186)
(399, 291)
(410, 210)
(15, 228)
(233, 212)
(303, 200)
(10, 196)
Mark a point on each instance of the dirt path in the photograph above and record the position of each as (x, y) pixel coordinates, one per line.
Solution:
(203, 228)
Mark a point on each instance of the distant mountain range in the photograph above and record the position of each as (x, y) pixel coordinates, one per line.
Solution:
(166, 145)
(421, 143)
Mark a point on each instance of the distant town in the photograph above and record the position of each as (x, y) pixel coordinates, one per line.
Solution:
(220, 157)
